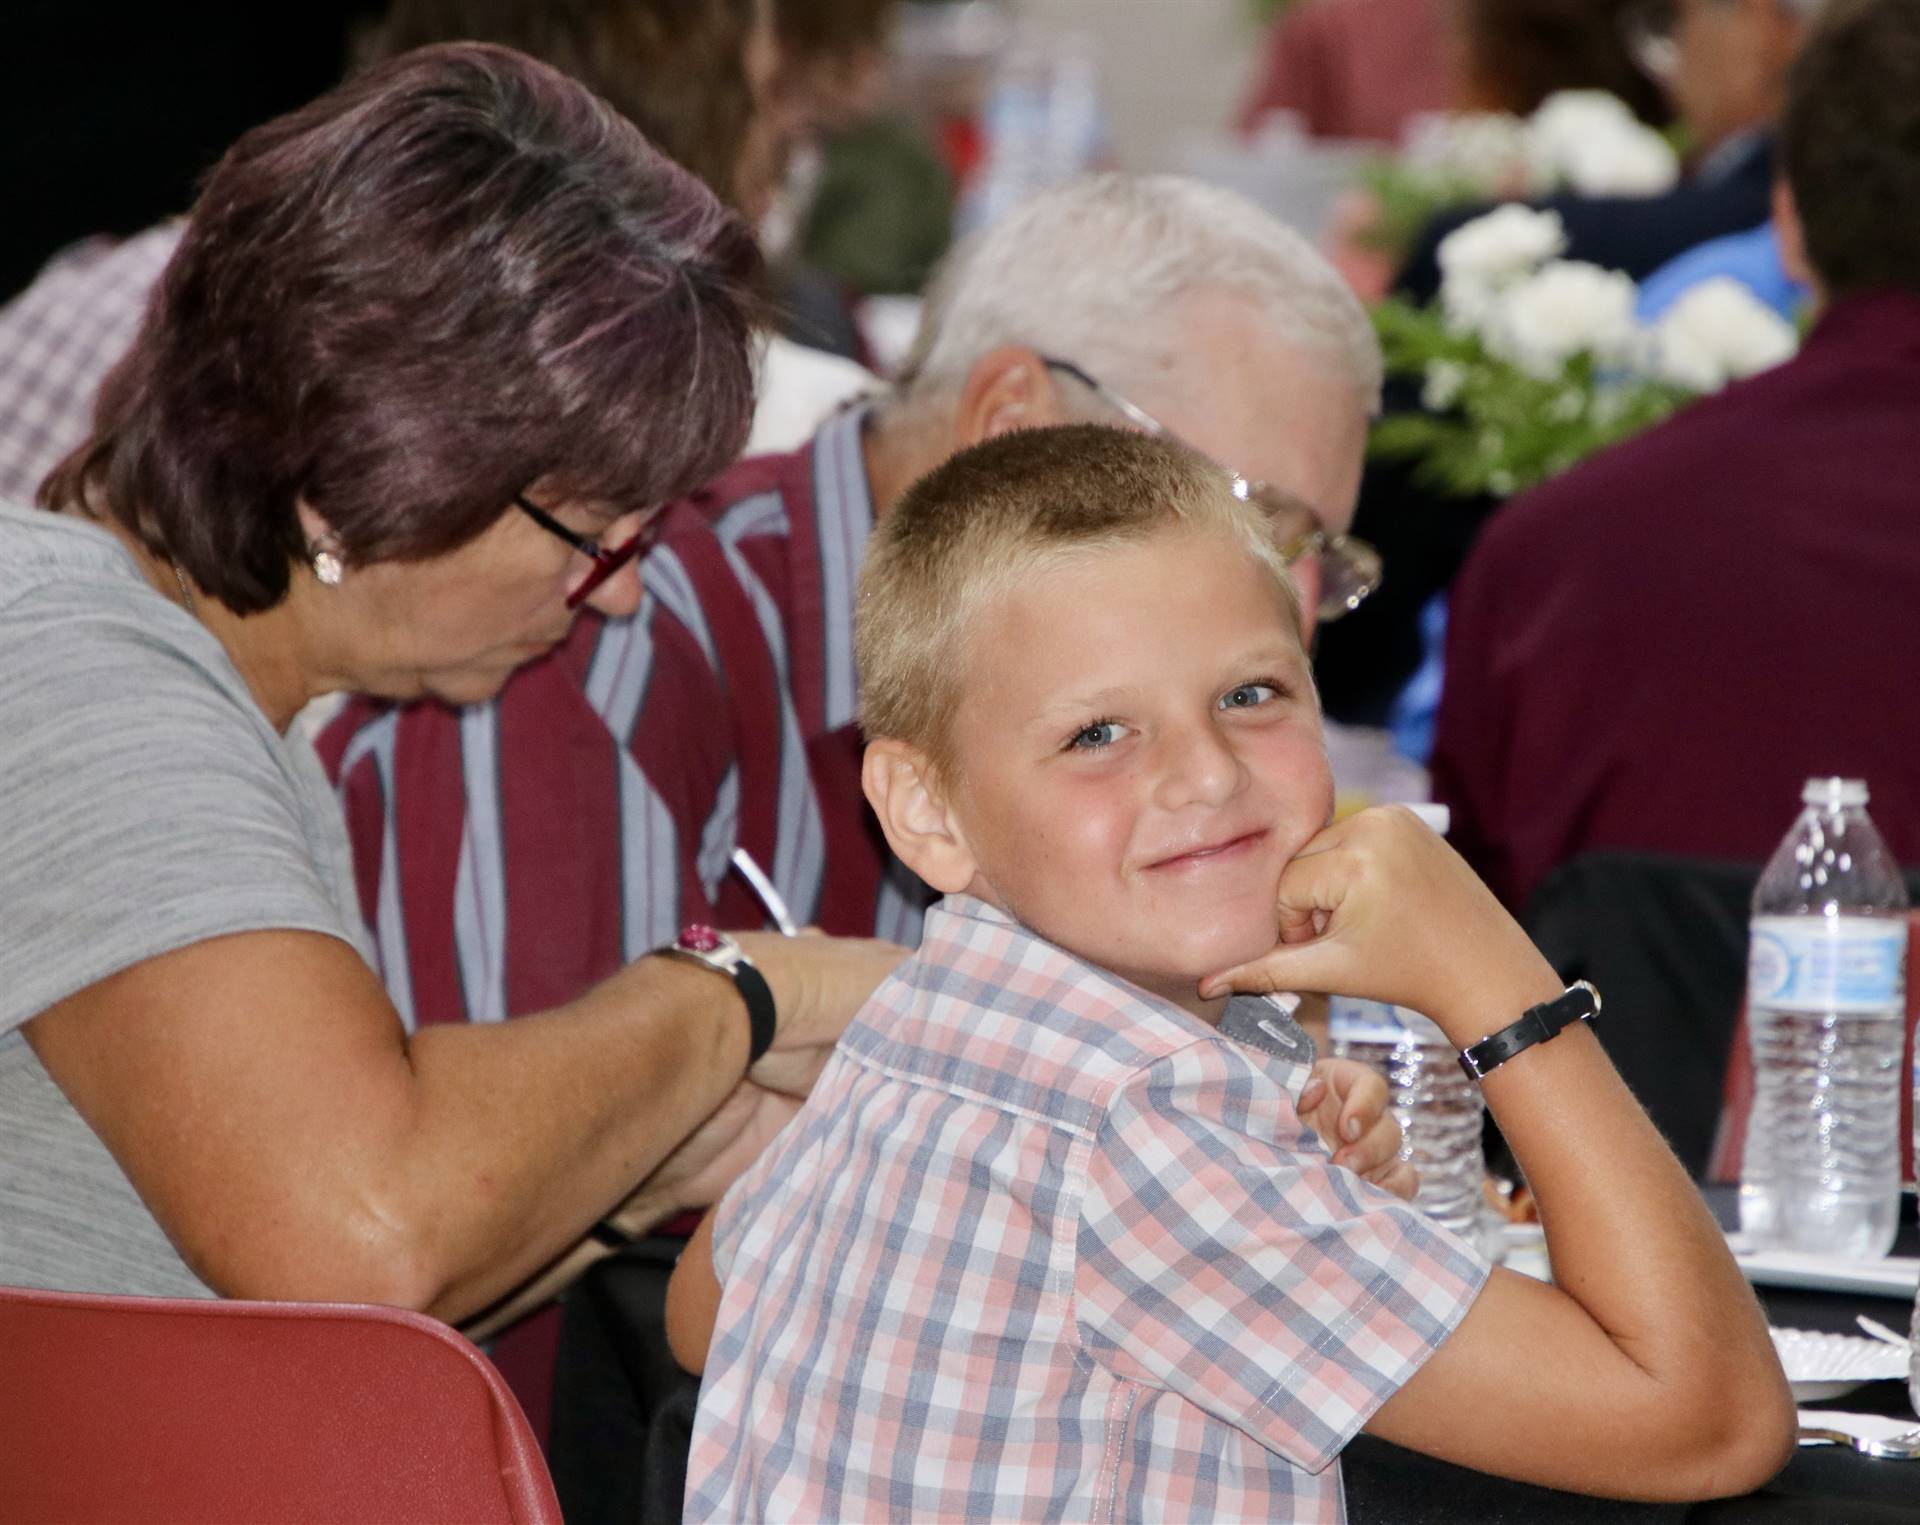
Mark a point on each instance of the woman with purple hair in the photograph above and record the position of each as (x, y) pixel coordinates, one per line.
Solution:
(431, 351)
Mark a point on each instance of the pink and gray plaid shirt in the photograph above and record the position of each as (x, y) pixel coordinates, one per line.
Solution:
(1041, 1246)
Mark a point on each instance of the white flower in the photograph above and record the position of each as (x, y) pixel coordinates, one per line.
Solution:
(1508, 241)
(1485, 149)
(1442, 384)
(1718, 331)
(1632, 161)
(1566, 308)
(1590, 142)
(1481, 257)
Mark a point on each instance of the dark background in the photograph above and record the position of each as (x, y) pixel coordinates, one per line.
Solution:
(110, 113)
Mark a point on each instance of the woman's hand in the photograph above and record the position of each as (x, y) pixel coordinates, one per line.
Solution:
(1345, 1102)
(818, 983)
(707, 1161)
(1379, 906)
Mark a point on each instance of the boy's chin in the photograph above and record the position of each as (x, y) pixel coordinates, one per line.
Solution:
(1185, 961)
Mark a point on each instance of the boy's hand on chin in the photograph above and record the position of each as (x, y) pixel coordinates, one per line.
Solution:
(1379, 906)
(1345, 1102)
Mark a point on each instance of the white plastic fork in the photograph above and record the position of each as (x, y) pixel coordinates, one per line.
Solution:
(1882, 1333)
(763, 887)
(1901, 1447)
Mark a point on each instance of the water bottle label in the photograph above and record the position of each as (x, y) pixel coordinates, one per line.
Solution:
(1352, 1020)
(1827, 963)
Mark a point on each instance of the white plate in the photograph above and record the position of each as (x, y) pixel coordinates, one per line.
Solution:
(1526, 1250)
(1890, 1276)
(1824, 1366)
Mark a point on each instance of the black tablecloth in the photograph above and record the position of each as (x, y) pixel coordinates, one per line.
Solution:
(1822, 1485)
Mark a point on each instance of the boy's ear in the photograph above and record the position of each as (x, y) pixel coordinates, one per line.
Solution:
(904, 789)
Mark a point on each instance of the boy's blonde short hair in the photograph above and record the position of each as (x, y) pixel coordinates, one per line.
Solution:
(969, 529)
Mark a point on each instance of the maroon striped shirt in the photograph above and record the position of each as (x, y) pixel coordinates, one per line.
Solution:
(513, 853)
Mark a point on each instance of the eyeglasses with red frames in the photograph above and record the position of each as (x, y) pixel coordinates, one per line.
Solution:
(606, 561)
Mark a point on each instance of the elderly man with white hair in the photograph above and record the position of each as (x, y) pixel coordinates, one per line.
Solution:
(512, 854)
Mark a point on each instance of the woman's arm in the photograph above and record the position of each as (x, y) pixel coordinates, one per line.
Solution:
(294, 1141)
(1646, 1369)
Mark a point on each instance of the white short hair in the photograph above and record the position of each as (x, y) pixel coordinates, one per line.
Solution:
(1088, 269)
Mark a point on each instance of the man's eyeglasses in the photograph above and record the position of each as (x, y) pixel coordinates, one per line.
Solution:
(1350, 568)
(605, 561)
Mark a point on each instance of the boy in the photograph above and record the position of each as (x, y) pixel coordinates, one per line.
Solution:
(1049, 1238)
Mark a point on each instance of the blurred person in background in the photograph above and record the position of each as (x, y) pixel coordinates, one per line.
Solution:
(1355, 68)
(428, 356)
(827, 78)
(687, 73)
(1365, 68)
(1654, 650)
(1516, 53)
(1723, 64)
(691, 73)
(519, 849)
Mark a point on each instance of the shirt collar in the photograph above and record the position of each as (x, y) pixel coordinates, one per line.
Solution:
(1734, 155)
(842, 522)
(961, 929)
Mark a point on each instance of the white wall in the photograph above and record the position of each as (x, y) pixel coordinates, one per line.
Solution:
(1165, 65)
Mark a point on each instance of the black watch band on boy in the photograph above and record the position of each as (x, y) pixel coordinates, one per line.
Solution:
(1580, 1003)
(723, 955)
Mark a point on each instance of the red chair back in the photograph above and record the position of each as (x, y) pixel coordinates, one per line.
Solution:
(162, 1410)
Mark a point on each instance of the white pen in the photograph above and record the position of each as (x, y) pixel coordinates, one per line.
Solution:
(763, 887)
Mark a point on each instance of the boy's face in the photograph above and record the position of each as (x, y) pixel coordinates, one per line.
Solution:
(1137, 754)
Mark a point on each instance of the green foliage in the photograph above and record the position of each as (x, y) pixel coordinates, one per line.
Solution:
(1406, 200)
(1263, 11)
(1491, 427)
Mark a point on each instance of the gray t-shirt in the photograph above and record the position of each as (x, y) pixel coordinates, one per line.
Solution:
(145, 804)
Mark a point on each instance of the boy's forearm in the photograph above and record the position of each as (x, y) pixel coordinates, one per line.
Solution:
(1621, 1216)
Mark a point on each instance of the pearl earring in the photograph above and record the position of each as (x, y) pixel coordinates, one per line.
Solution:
(328, 567)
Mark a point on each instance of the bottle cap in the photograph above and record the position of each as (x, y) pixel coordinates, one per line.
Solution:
(1438, 817)
(1834, 793)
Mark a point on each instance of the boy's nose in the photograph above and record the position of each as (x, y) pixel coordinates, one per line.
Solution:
(1200, 767)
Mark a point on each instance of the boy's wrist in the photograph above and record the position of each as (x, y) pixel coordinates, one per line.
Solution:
(1492, 1005)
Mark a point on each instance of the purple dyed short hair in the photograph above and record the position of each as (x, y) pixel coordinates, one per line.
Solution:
(455, 277)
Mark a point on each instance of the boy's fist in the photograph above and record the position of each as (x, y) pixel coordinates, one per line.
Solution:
(1379, 906)
(1345, 1102)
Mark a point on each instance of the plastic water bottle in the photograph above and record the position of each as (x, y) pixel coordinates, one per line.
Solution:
(1826, 1013)
(1440, 1111)
(1042, 123)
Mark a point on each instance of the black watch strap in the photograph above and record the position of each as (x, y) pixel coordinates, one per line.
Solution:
(758, 995)
(720, 953)
(1579, 1003)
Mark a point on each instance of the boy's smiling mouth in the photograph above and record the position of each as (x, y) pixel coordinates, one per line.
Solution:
(1221, 849)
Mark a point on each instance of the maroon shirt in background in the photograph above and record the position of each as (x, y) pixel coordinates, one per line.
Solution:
(1354, 68)
(1655, 650)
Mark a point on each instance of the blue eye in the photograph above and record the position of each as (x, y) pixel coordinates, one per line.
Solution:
(1092, 738)
(1248, 696)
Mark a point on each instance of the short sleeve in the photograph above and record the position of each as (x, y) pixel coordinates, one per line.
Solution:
(1223, 1257)
(145, 803)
